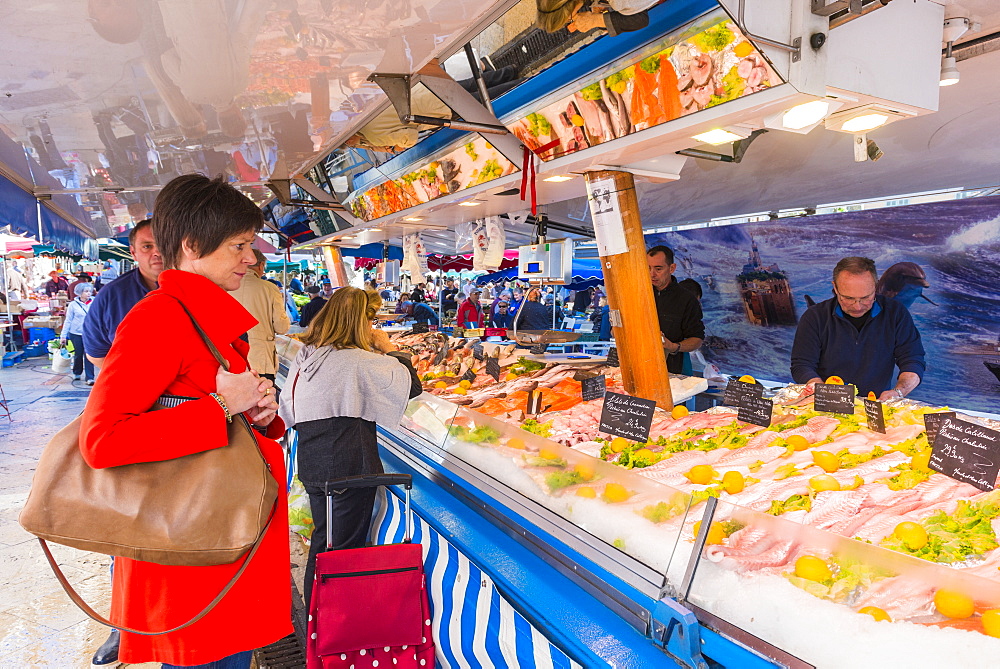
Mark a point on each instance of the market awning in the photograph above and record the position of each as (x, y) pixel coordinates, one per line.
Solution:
(66, 236)
(586, 273)
(114, 252)
(372, 251)
(18, 208)
(293, 266)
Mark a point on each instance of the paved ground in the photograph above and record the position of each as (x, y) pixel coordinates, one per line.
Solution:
(39, 625)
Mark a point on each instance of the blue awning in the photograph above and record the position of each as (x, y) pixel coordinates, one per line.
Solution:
(586, 273)
(65, 236)
(17, 208)
(373, 250)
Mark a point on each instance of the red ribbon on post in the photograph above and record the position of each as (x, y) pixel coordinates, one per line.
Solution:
(528, 171)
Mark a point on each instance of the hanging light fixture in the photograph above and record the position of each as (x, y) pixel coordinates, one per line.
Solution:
(953, 29)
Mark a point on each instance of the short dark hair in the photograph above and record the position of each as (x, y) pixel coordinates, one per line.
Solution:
(855, 265)
(665, 250)
(313, 290)
(204, 212)
(691, 286)
(145, 223)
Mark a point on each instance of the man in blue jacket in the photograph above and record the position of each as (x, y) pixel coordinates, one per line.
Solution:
(859, 337)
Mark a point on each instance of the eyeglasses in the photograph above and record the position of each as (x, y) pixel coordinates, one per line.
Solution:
(856, 300)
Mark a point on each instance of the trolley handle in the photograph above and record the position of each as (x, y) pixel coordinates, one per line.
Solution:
(369, 481)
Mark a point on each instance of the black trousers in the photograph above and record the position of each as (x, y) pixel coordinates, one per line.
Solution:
(80, 361)
(352, 519)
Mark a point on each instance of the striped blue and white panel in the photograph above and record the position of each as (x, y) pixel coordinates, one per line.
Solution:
(474, 626)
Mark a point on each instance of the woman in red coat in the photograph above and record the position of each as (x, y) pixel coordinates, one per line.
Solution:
(470, 312)
(204, 230)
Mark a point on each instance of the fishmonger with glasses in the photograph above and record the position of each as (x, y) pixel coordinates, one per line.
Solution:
(859, 336)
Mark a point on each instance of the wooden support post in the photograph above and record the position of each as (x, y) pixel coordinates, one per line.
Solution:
(335, 265)
(636, 329)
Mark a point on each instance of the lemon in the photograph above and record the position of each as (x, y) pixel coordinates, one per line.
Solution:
(871, 396)
(700, 474)
(585, 471)
(798, 442)
(834, 380)
(511, 376)
(645, 453)
(516, 442)
(922, 460)
(616, 492)
(733, 482)
(465, 383)
(586, 491)
(440, 384)
(991, 622)
(743, 49)
(460, 391)
(577, 120)
(746, 378)
(812, 568)
(548, 454)
(716, 535)
(912, 535)
(876, 613)
(826, 460)
(618, 444)
(679, 411)
(823, 483)
(953, 604)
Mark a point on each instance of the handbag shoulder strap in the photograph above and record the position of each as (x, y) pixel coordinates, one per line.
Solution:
(78, 600)
(204, 337)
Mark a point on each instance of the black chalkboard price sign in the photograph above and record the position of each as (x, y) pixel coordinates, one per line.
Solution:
(755, 410)
(613, 357)
(534, 403)
(875, 413)
(469, 376)
(594, 387)
(627, 416)
(493, 367)
(967, 452)
(539, 349)
(420, 328)
(834, 398)
(736, 390)
(477, 351)
(933, 423)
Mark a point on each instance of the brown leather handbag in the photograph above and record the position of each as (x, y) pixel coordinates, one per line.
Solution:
(207, 508)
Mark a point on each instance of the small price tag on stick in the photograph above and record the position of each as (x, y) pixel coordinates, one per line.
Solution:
(594, 387)
(875, 413)
(534, 403)
(834, 398)
(755, 410)
(627, 416)
(613, 357)
(737, 390)
(967, 452)
(493, 366)
(933, 423)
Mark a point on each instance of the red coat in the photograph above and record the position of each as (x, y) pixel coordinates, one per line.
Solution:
(469, 312)
(157, 351)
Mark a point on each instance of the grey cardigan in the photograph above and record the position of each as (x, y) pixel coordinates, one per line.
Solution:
(346, 383)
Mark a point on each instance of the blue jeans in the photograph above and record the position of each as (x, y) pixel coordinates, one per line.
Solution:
(238, 661)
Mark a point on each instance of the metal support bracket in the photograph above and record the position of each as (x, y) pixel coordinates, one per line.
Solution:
(821, 8)
(678, 632)
(795, 48)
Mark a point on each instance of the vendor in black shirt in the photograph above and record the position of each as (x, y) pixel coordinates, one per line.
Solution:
(448, 302)
(677, 309)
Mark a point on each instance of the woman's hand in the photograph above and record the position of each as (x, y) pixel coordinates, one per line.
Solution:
(381, 342)
(264, 412)
(240, 391)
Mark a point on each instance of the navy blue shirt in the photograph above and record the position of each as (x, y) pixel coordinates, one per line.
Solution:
(534, 316)
(108, 309)
(827, 344)
(424, 314)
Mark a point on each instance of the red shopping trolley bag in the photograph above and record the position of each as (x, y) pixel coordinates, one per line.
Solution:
(369, 605)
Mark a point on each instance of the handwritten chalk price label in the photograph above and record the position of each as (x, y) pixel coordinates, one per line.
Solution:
(933, 423)
(755, 410)
(420, 328)
(834, 398)
(875, 413)
(538, 349)
(736, 390)
(493, 367)
(594, 387)
(627, 416)
(613, 357)
(967, 452)
(469, 376)
(534, 403)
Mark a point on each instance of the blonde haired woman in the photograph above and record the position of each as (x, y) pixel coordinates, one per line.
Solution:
(345, 378)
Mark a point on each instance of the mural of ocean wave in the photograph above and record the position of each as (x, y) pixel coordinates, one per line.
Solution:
(955, 244)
